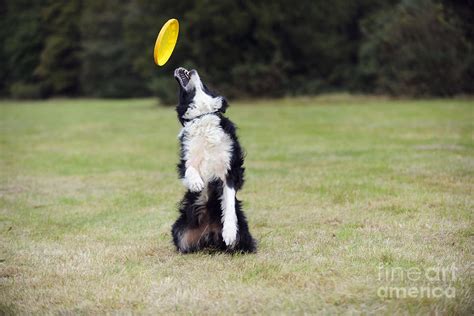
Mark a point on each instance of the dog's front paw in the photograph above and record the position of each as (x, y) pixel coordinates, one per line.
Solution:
(229, 234)
(192, 180)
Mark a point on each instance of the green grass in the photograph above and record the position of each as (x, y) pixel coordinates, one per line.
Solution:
(336, 187)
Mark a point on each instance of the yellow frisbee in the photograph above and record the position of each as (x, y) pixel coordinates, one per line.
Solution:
(166, 41)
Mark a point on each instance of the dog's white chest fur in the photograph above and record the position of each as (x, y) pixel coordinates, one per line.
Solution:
(207, 147)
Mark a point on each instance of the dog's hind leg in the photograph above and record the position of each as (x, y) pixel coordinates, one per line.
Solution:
(178, 231)
(194, 229)
(186, 220)
(189, 238)
(245, 242)
(229, 217)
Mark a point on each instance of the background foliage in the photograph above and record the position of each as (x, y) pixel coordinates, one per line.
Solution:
(103, 48)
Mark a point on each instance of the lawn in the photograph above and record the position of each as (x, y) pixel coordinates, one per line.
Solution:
(349, 197)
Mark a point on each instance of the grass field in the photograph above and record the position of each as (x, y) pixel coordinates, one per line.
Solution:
(347, 196)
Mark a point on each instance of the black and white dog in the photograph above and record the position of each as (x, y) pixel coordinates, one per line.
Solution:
(211, 168)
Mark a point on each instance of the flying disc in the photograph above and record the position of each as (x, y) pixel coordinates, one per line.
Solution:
(166, 41)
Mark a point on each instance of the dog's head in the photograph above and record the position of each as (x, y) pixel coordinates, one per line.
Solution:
(195, 98)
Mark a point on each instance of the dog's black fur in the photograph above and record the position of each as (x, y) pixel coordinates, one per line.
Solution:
(199, 225)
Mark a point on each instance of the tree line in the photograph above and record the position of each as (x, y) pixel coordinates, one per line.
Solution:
(245, 48)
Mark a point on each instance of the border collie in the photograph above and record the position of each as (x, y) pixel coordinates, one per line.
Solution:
(211, 168)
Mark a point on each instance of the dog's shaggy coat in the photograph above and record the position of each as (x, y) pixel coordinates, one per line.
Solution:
(211, 168)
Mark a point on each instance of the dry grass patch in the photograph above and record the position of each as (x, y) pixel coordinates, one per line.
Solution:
(339, 190)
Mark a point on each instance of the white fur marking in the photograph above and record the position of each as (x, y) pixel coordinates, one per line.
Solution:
(207, 149)
(192, 180)
(202, 102)
(229, 217)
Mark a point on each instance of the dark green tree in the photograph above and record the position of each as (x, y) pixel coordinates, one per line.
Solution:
(103, 48)
(22, 38)
(415, 49)
(107, 69)
(142, 23)
(59, 67)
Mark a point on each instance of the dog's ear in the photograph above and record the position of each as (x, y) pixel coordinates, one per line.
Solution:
(224, 105)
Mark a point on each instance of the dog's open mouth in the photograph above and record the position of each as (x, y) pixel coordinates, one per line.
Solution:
(182, 76)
